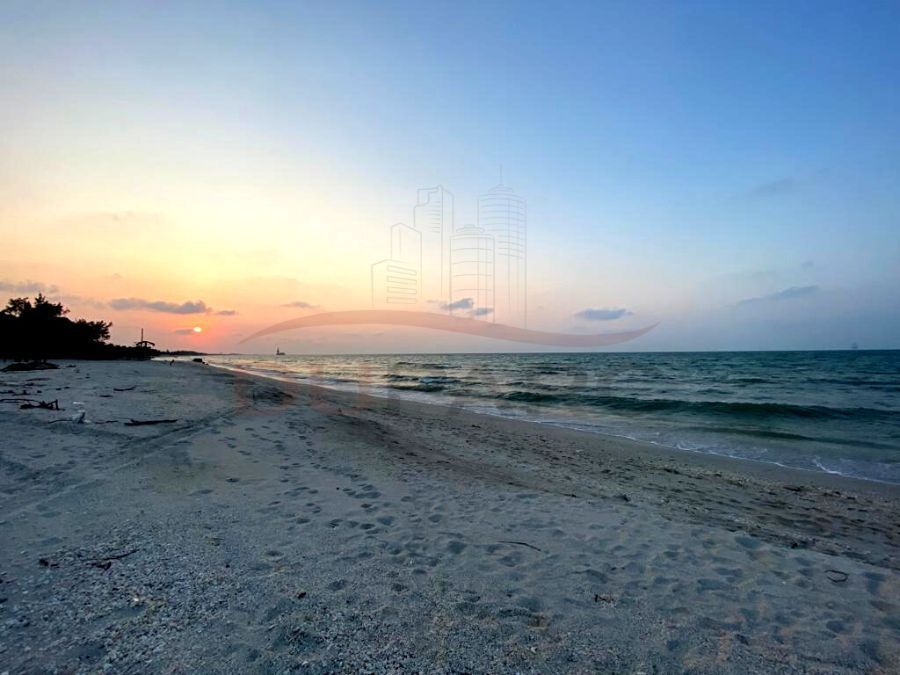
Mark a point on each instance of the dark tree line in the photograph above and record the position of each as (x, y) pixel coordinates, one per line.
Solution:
(40, 329)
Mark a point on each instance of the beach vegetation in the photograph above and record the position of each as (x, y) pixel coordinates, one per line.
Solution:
(39, 329)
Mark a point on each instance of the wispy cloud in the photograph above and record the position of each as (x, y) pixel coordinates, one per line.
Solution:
(83, 301)
(119, 223)
(226, 312)
(464, 303)
(601, 314)
(26, 287)
(300, 304)
(467, 304)
(184, 331)
(773, 188)
(195, 307)
(786, 294)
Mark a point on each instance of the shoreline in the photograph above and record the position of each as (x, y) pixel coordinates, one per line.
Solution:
(597, 450)
(758, 468)
(276, 527)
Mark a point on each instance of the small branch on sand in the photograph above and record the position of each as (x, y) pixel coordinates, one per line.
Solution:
(80, 420)
(521, 543)
(140, 423)
(106, 563)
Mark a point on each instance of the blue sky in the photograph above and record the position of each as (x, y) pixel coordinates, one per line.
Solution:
(678, 158)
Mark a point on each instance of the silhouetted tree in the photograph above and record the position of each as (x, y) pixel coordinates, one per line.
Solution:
(18, 307)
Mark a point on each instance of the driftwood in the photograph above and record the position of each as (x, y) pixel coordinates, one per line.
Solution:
(140, 423)
(29, 365)
(29, 403)
(125, 388)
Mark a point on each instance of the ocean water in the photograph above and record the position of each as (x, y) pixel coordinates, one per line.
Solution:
(837, 412)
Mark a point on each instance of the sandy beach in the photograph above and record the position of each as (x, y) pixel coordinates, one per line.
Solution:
(274, 527)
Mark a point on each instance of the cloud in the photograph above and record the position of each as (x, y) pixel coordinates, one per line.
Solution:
(27, 287)
(465, 303)
(184, 331)
(196, 307)
(601, 314)
(774, 188)
(786, 294)
(300, 304)
(226, 312)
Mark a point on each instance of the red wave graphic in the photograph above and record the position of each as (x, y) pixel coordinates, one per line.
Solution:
(453, 324)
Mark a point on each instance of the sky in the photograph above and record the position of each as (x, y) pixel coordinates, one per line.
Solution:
(728, 171)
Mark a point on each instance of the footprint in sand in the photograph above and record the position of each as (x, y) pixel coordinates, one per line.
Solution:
(456, 547)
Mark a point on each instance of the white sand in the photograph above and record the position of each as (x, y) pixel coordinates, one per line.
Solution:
(276, 528)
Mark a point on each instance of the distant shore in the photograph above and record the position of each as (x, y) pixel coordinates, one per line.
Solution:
(267, 525)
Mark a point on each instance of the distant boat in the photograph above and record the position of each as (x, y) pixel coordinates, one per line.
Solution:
(854, 346)
(278, 352)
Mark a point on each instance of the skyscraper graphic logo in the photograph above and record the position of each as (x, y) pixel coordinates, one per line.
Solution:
(502, 214)
(475, 271)
(397, 281)
(433, 217)
(472, 273)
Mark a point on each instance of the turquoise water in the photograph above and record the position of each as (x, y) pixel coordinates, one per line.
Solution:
(837, 412)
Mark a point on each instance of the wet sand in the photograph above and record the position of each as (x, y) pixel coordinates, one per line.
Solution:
(276, 528)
